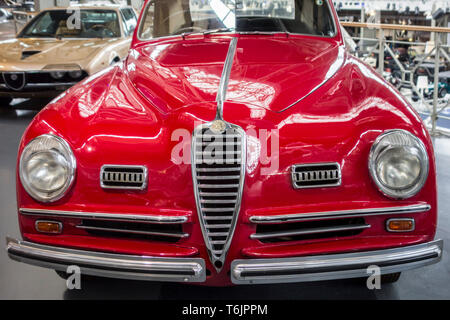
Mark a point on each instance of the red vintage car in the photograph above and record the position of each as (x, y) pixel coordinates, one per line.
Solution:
(238, 143)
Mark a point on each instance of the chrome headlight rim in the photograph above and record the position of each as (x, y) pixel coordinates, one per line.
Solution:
(393, 193)
(61, 192)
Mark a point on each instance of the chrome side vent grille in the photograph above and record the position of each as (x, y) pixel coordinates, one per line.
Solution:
(218, 169)
(318, 175)
(123, 177)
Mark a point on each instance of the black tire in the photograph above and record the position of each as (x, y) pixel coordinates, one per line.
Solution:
(5, 101)
(390, 278)
(442, 93)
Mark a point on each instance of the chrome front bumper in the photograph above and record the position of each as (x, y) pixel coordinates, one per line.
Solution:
(336, 266)
(107, 264)
(245, 271)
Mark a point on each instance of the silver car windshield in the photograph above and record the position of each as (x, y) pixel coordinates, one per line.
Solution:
(164, 18)
(73, 24)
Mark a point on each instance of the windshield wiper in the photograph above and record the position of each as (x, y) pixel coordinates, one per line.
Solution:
(218, 30)
(266, 33)
(206, 32)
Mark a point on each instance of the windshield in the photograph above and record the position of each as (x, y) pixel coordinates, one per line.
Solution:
(174, 17)
(73, 24)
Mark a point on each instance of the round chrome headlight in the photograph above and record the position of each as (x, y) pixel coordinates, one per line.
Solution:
(398, 164)
(47, 168)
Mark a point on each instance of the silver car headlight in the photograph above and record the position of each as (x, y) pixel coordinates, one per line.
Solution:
(398, 164)
(47, 168)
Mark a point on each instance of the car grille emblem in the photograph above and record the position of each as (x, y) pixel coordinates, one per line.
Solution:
(218, 126)
(14, 80)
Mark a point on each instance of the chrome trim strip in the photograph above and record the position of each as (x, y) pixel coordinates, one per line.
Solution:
(401, 219)
(107, 264)
(335, 266)
(150, 233)
(340, 214)
(334, 68)
(223, 86)
(104, 216)
(294, 178)
(270, 235)
(109, 166)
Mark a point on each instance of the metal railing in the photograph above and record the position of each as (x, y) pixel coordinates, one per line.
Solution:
(437, 55)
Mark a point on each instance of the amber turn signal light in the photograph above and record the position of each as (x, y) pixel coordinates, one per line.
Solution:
(400, 225)
(53, 227)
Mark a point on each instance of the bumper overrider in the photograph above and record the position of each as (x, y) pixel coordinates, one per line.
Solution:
(244, 271)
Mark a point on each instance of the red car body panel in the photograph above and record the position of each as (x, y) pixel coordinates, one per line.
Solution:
(128, 113)
(174, 75)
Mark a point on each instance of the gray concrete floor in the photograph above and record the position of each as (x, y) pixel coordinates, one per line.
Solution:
(21, 281)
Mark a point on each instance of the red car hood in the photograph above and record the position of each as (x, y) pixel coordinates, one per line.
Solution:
(176, 73)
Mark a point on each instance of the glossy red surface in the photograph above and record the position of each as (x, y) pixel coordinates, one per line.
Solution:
(128, 114)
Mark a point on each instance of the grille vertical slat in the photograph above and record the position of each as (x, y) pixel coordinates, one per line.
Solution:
(218, 173)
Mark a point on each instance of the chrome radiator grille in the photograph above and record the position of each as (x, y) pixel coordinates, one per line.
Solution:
(218, 169)
(318, 175)
(123, 177)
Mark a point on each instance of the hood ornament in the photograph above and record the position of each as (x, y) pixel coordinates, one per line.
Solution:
(223, 86)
